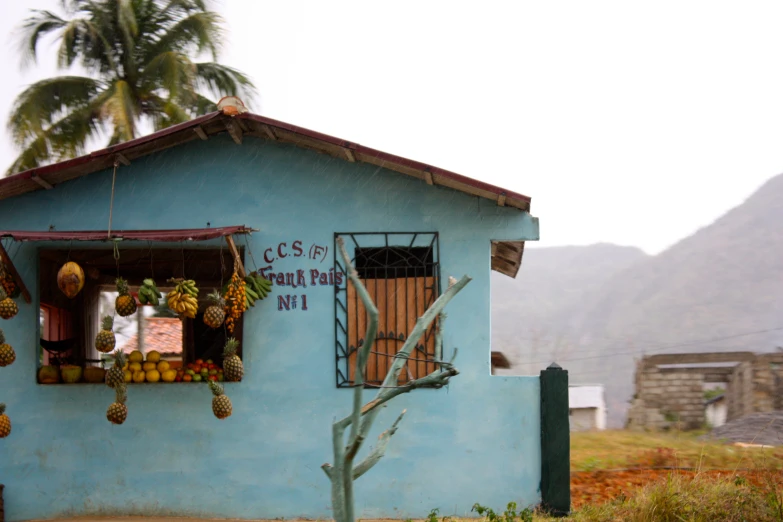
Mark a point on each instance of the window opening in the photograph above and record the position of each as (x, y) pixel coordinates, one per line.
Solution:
(401, 272)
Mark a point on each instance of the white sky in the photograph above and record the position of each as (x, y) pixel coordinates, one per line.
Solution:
(634, 123)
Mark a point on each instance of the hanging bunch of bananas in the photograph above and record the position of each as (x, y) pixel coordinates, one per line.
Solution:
(149, 293)
(184, 298)
(257, 288)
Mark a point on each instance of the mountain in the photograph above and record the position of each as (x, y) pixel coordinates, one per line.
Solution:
(593, 309)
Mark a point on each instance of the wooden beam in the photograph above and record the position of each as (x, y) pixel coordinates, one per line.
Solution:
(269, 132)
(349, 155)
(42, 182)
(15, 274)
(234, 130)
(502, 199)
(428, 177)
(122, 159)
(199, 130)
(237, 259)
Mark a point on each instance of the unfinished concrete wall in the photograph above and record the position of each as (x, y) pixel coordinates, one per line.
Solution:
(668, 397)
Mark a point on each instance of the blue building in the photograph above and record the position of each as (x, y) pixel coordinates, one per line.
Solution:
(163, 206)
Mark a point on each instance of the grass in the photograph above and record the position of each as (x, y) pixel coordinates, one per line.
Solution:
(616, 449)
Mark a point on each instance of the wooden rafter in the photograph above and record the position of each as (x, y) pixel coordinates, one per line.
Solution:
(45, 184)
(235, 131)
(15, 274)
(199, 130)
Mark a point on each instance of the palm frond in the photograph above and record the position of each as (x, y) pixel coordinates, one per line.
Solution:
(220, 80)
(165, 113)
(195, 33)
(121, 110)
(38, 24)
(44, 102)
(172, 71)
(64, 139)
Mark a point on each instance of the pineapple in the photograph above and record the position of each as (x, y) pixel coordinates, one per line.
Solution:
(214, 314)
(125, 304)
(7, 354)
(232, 364)
(118, 412)
(116, 376)
(5, 422)
(221, 404)
(8, 307)
(105, 340)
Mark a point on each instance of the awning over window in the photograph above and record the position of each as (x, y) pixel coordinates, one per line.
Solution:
(195, 234)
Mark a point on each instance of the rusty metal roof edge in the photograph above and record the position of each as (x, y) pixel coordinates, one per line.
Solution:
(385, 156)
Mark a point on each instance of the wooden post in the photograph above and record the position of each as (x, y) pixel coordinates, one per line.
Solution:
(555, 442)
(15, 274)
(237, 259)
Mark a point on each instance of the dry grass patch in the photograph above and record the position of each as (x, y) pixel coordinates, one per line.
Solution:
(616, 449)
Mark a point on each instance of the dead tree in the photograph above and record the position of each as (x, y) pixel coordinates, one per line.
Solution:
(344, 471)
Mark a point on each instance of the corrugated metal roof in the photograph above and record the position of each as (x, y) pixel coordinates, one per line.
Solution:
(506, 257)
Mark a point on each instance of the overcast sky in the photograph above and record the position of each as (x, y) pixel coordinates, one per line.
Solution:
(633, 123)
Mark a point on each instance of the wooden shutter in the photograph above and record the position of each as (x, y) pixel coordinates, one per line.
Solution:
(400, 302)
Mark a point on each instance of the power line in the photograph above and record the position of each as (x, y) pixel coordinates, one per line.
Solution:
(668, 347)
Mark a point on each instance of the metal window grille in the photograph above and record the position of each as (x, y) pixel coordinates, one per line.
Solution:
(401, 272)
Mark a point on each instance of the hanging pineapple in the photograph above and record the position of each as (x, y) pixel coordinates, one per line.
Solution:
(116, 376)
(221, 404)
(214, 314)
(118, 412)
(8, 282)
(105, 340)
(8, 307)
(233, 369)
(5, 422)
(124, 304)
(7, 354)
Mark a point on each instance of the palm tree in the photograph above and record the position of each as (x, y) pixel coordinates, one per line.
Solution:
(139, 57)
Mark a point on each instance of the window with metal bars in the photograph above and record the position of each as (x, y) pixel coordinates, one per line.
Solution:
(401, 272)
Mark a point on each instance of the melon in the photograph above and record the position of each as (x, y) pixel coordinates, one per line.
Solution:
(70, 279)
(71, 373)
(48, 375)
(94, 374)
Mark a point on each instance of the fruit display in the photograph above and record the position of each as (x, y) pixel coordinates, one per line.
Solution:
(5, 423)
(184, 298)
(118, 411)
(149, 293)
(70, 373)
(233, 369)
(215, 313)
(256, 289)
(8, 283)
(199, 371)
(221, 404)
(125, 305)
(7, 354)
(116, 375)
(48, 375)
(94, 374)
(70, 279)
(105, 340)
(236, 302)
(8, 307)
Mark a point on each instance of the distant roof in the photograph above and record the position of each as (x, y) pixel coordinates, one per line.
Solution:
(715, 399)
(506, 255)
(162, 334)
(586, 396)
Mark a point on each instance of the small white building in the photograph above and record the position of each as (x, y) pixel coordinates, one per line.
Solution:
(715, 411)
(586, 407)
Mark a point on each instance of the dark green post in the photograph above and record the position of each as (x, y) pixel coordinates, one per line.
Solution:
(555, 442)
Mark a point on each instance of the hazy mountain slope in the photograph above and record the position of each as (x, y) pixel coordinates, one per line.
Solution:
(723, 281)
(531, 314)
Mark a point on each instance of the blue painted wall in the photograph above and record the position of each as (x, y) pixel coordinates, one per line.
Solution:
(477, 441)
